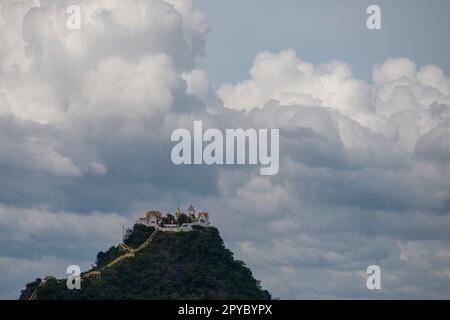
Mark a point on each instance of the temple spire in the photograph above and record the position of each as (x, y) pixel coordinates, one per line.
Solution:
(191, 209)
(178, 211)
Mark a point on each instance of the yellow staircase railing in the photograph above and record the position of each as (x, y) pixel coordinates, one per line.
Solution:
(118, 259)
(126, 248)
(34, 294)
(148, 241)
(92, 274)
(129, 253)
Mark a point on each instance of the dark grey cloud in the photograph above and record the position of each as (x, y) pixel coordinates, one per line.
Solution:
(85, 148)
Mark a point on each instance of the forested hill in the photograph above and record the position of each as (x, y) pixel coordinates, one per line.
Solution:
(181, 265)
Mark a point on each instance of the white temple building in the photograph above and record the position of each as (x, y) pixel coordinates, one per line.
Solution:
(175, 223)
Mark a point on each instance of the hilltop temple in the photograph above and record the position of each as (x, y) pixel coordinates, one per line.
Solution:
(178, 222)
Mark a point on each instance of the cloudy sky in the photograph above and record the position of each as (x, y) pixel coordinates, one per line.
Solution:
(364, 116)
